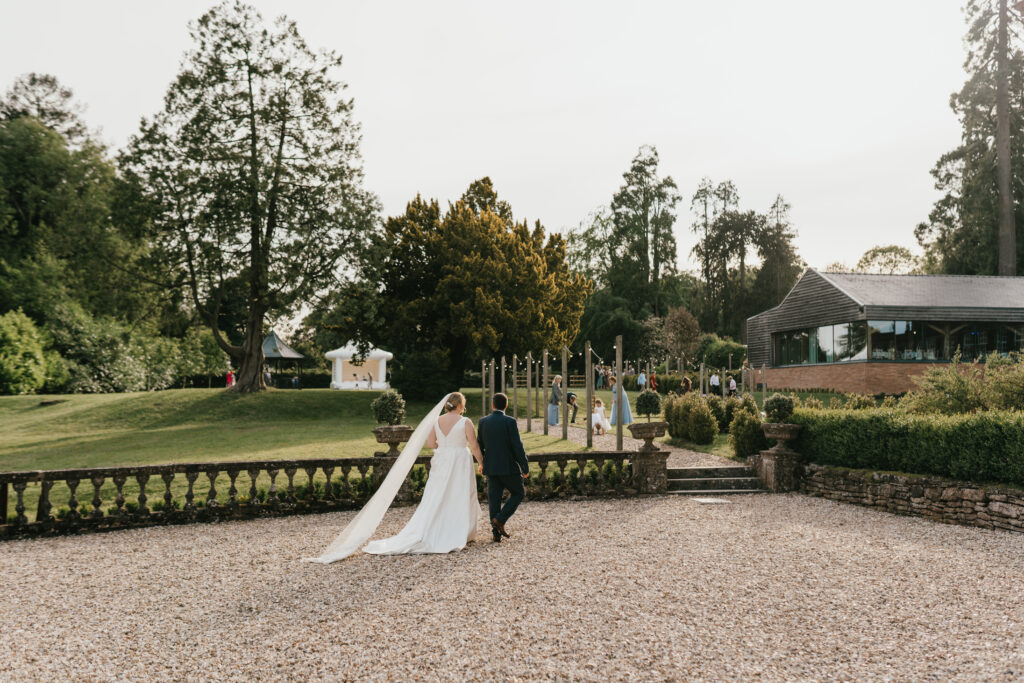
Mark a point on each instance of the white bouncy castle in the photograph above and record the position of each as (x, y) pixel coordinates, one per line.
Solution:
(369, 373)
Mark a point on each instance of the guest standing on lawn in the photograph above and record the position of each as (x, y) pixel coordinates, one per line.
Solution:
(555, 400)
(627, 415)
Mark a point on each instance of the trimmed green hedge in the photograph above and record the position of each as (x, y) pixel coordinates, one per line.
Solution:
(987, 446)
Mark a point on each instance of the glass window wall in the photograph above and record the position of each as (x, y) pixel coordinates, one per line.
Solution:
(897, 340)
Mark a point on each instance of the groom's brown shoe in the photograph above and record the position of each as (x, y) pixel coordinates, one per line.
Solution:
(499, 526)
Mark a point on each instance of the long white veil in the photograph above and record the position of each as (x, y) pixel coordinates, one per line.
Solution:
(362, 526)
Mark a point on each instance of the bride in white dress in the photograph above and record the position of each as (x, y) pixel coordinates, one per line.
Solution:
(447, 516)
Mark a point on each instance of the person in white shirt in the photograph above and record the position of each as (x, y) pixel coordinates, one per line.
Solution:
(714, 383)
(732, 386)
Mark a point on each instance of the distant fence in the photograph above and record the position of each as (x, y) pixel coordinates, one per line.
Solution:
(101, 499)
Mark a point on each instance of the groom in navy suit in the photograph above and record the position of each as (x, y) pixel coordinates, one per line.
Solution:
(505, 464)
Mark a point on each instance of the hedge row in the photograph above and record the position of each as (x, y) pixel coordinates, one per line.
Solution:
(985, 447)
(667, 384)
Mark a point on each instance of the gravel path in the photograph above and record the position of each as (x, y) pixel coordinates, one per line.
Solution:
(678, 457)
(661, 588)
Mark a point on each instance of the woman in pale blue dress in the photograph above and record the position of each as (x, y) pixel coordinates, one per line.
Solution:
(627, 414)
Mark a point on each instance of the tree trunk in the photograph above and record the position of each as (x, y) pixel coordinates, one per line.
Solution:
(250, 374)
(1007, 229)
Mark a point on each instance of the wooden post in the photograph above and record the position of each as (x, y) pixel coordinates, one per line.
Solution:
(483, 388)
(529, 377)
(721, 382)
(565, 392)
(590, 397)
(504, 387)
(491, 380)
(618, 391)
(544, 392)
(764, 384)
(515, 387)
(702, 378)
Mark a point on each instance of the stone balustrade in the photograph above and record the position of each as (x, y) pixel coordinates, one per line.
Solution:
(107, 498)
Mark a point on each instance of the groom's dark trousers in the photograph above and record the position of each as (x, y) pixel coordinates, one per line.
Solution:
(504, 463)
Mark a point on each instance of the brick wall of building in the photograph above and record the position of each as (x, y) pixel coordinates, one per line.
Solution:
(859, 378)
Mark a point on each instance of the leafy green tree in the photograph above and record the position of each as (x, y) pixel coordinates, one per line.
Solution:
(22, 363)
(253, 169)
(682, 332)
(888, 260)
(780, 264)
(456, 287)
(58, 239)
(982, 203)
(42, 97)
(642, 242)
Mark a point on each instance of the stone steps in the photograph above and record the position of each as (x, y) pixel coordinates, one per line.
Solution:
(702, 481)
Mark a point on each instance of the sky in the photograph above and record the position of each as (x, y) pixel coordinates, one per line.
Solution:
(841, 107)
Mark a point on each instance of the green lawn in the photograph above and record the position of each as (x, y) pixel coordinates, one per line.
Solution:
(196, 425)
(720, 446)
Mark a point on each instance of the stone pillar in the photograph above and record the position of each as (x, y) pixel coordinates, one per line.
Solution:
(779, 467)
(382, 464)
(650, 471)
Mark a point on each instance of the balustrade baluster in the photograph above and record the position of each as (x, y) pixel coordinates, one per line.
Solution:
(562, 463)
(254, 474)
(581, 484)
(119, 481)
(544, 484)
(620, 480)
(168, 478)
(365, 484)
(329, 489)
(190, 477)
(97, 502)
(73, 500)
(290, 491)
(310, 487)
(211, 497)
(3, 502)
(142, 479)
(599, 464)
(19, 506)
(272, 499)
(232, 491)
(43, 510)
(346, 486)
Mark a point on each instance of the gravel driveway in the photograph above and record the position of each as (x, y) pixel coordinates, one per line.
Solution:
(662, 588)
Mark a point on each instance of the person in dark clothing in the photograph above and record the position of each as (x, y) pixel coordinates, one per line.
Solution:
(570, 398)
(505, 464)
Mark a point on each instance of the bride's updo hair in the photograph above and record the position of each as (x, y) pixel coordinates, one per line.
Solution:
(454, 401)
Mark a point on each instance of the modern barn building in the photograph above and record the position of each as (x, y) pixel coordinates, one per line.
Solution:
(870, 334)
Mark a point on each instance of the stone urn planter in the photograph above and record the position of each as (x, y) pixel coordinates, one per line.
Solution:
(392, 435)
(781, 433)
(648, 432)
(779, 467)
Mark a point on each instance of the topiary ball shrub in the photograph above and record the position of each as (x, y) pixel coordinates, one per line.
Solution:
(745, 434)
(648, 403)
(732, 406)
(748, 403)
(835, 403)
(389, 408)
(778, 408)
(813, 404)
(701, 423)
(859, 402)
(717, 407)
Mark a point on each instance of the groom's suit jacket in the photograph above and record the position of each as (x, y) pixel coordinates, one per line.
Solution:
(501, 446)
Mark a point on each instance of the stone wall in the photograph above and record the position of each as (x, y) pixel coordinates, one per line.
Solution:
(944, 500)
